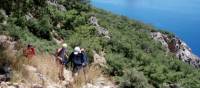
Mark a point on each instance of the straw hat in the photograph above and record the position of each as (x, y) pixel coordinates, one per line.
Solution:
(64, 45)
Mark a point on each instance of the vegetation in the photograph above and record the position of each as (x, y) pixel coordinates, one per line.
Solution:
(134, 59)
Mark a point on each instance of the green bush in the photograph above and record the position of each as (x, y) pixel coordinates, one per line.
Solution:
(41, 28)
(134, 79)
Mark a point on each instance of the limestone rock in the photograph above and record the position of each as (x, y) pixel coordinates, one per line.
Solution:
(54, 3)
(170, 85)
(99, 59)
(93, 20)
(2, 78)
(100, 82)
(29, 16)
(178, 47)
(101, 30)
(30, 68)
(11, 85)
(5, 16)
(7, 42)
(56, 37)
(161, 38)
(3, 13)
(5, 73)
(61, 8)
(68, 75)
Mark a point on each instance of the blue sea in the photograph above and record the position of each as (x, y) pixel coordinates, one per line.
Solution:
(182, 17)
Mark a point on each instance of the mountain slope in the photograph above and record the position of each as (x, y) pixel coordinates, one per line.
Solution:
(133, 58)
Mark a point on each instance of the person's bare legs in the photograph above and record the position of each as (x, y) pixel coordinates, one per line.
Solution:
(59, 65)
(62, 72)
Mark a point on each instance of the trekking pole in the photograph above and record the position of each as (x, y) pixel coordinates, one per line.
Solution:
(84, 72)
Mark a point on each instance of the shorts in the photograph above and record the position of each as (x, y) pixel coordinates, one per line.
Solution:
(59, 61)
(77, 68)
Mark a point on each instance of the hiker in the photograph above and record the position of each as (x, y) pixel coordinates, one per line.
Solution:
(29, 52)
(77, 60)
(61, 56)
(85, 65)
(84, 57)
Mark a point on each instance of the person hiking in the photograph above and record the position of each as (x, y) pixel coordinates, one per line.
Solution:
(61, 55)
(84, 57)
(77, 60)
(29, 52)
(85, 63)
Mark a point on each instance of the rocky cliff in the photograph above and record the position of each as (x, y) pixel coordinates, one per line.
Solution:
(178, 47)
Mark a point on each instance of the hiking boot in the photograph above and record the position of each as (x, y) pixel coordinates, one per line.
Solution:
(61, 78)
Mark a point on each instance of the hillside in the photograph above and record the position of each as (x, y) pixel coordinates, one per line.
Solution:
(134, 59)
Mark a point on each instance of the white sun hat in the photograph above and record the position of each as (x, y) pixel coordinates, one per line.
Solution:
(64, 45)
(77, 50)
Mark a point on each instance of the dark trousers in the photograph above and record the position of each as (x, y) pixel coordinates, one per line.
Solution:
(77, 68)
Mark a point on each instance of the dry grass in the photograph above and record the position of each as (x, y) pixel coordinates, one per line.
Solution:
(87, 75)
(44, 65)
(15, 62)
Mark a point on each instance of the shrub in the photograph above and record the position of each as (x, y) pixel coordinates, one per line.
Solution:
(116, 64)
(41, 28)
(134, 79)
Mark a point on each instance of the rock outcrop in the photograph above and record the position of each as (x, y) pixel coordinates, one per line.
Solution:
(101, 30)
(8, 43)
(178, 47)
(171, 85)
(99, 59)
(100, 82)
(58, 39)
(29, 16)
(4, 17)
(55, 3)
(5, 73)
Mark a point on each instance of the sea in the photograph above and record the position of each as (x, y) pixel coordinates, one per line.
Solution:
(181, 17)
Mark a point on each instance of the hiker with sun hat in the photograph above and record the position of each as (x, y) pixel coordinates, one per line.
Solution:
(77, 60)
(61, 55)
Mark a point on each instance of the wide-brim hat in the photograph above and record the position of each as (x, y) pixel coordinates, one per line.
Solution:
(77, 50)
(64, 45)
